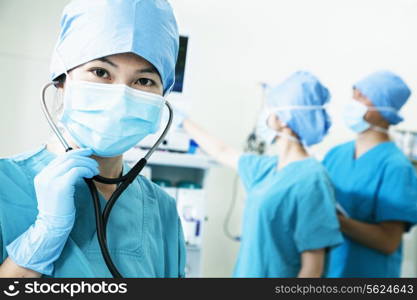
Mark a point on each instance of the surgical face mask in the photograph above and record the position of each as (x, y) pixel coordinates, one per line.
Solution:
(288, 137)
(109, 118)
(354, 116)
(263, 131)
(268, 134)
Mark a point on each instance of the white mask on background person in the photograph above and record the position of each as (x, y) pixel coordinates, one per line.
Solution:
(354, 116)
(268, 134)
(288, 137)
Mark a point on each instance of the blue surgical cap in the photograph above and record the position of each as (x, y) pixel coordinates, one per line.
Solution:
(91, 29)
(302, 90)
(385, 89)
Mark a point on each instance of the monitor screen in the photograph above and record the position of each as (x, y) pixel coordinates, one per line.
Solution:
(180, 65)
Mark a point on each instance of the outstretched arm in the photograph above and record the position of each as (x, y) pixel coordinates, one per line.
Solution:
(213, 146)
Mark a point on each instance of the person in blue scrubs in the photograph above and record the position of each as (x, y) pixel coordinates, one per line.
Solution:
(375, 183)
(113, 76)
(290, 216)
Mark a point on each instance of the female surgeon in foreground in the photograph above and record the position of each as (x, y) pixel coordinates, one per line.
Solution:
(290, 216)
(113, 63)
(375, 183)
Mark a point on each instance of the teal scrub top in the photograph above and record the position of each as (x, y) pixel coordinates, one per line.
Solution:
(381, 185)
(144, 233)
(287, 212)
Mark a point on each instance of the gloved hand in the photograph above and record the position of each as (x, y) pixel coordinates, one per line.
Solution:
(42, 244)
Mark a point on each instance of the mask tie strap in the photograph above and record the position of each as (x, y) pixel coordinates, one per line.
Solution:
(299, 107)
(288, 137)
(379, 129)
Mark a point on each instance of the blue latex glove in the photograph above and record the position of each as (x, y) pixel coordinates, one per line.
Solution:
(42, 244)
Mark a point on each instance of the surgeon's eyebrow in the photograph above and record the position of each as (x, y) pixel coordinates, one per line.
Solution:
(105, 60)
(150, 69)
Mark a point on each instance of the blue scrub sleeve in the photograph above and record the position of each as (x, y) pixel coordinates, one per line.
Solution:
(251, 168)
(397, 196)
(316, 225)
(1, 246)
(182, 251)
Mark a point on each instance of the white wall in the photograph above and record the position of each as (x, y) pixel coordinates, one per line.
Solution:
(234, 45)
(28, 30)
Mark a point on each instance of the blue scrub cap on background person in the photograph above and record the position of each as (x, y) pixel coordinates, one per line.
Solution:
(91, 29)
(385, 89)
(302, 89)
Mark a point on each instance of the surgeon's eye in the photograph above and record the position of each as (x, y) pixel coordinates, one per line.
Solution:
(145, 82)
(101, 73)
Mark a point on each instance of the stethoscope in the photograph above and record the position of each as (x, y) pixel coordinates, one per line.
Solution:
(122, 182)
